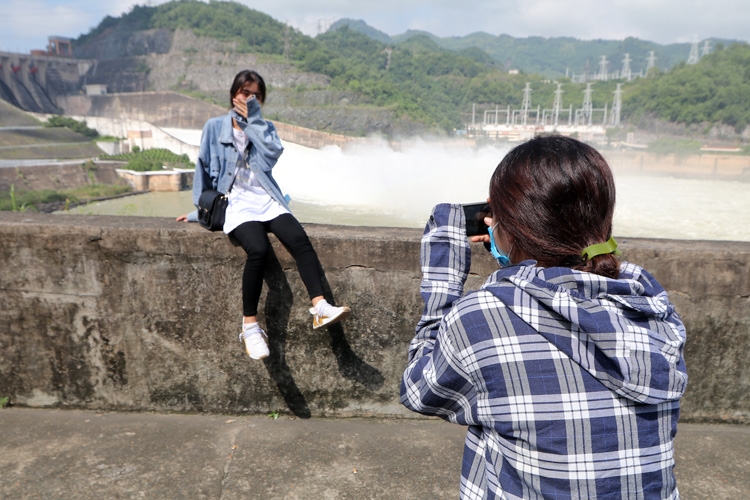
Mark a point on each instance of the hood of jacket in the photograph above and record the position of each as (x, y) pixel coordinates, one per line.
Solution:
(623, 331)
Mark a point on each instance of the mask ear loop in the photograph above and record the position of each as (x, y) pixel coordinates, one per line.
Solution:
(502, 259)
(610, 246)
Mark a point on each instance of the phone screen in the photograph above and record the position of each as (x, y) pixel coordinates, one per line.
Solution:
(475, 214)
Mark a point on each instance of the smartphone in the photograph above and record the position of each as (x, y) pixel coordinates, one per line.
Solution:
(475, 214)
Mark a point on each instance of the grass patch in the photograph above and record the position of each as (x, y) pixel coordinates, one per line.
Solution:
(151, 159)
(33, 201)
(41, 136)
(71, 124)
(676, 146)
(59, 152)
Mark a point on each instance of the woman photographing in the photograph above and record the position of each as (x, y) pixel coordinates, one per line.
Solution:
(566, 365)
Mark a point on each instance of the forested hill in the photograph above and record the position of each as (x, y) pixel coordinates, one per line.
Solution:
(551, 57)
(435, 82)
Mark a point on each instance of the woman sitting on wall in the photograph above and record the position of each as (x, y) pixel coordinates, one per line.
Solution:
(256, 204)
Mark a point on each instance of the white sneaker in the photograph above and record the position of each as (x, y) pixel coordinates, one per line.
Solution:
(326, 314)
(256, 341)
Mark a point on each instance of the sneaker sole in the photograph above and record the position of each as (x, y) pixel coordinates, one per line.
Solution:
(330, 321)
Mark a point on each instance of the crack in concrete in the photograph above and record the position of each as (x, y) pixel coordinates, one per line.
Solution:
(230, 459)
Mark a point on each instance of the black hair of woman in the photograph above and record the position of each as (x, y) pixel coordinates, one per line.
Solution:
(552, 197)
(244, 77)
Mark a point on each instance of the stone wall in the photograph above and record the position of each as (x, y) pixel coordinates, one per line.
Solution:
(118, 313)
(59, 176)
(164, 109)
(169, 180)
(694, 165)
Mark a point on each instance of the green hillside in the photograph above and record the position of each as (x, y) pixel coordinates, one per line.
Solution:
(717, 89)
(551, 57)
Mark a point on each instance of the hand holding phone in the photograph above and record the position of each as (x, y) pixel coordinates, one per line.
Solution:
(475, 214)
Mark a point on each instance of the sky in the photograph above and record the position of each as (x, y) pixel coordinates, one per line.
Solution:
(25, 24)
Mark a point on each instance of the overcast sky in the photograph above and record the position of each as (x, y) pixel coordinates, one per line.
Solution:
(25, 24)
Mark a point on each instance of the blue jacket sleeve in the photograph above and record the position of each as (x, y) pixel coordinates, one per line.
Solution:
(267, 146)
(435, 382)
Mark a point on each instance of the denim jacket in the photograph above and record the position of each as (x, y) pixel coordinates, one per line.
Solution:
(217, 159)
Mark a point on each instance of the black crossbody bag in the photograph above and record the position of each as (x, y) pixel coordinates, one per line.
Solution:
(212, 204)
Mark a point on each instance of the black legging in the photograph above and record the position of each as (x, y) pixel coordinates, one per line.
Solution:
(253, 238)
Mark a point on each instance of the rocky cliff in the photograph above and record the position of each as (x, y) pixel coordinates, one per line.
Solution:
(159, 60)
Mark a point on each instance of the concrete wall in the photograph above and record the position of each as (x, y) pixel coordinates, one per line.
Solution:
(36, 82)
(121, 127)
(168, 180)
(696, 166)
(131, 313)
(58, 176)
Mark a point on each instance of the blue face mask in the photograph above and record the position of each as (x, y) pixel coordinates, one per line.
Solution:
(501, 258)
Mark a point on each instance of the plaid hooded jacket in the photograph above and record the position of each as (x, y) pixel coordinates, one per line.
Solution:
(569, 382)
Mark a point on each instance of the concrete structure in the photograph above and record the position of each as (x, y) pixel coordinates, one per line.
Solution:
(59, 176)
(117, 313)
(60, 46)
(143, 139)
(95, 89)
(38, 82)
(723, 166)
(169, 180)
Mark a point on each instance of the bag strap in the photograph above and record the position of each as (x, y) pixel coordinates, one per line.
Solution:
(240, 161)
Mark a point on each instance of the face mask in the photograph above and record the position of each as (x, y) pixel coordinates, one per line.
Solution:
(501, 258)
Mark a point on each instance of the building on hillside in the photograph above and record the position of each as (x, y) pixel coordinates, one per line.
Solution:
(59, 46)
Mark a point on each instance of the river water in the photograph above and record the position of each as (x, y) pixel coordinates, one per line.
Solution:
(375, 185)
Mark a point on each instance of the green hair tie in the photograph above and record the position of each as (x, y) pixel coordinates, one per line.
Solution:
(592, 251)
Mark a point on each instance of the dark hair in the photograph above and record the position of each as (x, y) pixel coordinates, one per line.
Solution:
(243, 77)
(552, 197)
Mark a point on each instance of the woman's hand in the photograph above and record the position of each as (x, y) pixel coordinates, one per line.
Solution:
(182, 218)
(240, 104)
(483, 238)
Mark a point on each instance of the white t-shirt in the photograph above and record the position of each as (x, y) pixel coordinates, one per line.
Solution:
(248, 201)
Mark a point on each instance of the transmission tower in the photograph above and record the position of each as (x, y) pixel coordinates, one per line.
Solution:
(388, 51)
(603, 69)
(586, 71)
(706, 48)
(286, 42)
(694, 57)
(626, 67)
(587, 108)
(558, 102)
(616, 107)
(324, 25)
(651, 61)
(526, 103)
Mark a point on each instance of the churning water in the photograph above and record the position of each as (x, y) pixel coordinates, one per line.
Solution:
(375, 185)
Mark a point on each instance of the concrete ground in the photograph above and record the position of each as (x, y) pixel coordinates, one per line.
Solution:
(66, 454)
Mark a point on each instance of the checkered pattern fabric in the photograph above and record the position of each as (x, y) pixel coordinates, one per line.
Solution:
(569, 382)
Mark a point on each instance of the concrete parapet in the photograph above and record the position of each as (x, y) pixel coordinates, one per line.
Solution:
(693, 165)
(131, 313)
(177, 179)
